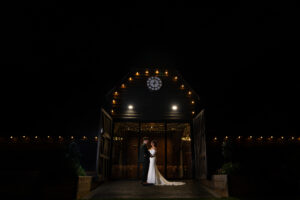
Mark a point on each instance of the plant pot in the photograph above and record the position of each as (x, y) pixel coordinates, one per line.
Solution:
(83, 186)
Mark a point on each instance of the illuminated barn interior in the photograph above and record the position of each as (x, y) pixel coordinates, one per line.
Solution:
(160, 104)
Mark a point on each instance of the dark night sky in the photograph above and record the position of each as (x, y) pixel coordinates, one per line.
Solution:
(241, 58)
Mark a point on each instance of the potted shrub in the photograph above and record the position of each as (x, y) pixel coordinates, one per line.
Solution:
(84, 182)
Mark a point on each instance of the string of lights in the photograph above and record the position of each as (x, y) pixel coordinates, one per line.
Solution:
(261, 138)
(187, 138)
(148, 73)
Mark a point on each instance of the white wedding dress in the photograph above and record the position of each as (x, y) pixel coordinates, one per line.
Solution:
(154, 176)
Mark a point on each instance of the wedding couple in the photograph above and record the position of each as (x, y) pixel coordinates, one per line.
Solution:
(151, 174)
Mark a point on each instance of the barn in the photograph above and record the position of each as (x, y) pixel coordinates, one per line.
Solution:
(160, 104)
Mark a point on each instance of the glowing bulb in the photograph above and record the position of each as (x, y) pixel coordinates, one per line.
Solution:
(130, 107)
(72, 137)
(84, 137)
(261, 137)
(96, 138)
(215, 138)
(182, 86)
(250, 137)
(123, 85)
(293, 138)
(156, 71)
(116, 93)
(137, 73)
(146, 72)
(239, 137)
(35, 137)
(282, 137)
(59, 137)
(193, 102)
(166, 72)
(189, 93)
(24, 136)
(114, 101)
(174, 107)
(272, 137)
(11, 137)
(130, 79)
(175, 78)
(226, 137)
(48, 136)
(112, 111)
(193, 112)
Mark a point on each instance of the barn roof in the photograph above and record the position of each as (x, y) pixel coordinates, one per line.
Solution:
(136, 97)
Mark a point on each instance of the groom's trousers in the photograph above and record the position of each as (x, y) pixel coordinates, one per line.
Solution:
(145, 171)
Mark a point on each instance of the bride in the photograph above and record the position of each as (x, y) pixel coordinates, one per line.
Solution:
(154, 176)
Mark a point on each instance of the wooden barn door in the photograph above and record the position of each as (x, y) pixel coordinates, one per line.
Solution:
(104, 145)
(200, 162)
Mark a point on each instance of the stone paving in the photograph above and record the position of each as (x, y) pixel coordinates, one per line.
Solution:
(133, 189)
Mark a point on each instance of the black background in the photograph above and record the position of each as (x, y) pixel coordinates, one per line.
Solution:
(60, 60)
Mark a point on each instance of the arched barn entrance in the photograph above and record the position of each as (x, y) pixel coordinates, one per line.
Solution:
(157, 103)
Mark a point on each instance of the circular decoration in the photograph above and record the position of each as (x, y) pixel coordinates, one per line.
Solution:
(154, 83)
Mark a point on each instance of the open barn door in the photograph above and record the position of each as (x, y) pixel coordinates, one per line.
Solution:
(200, 146)
(104, 145)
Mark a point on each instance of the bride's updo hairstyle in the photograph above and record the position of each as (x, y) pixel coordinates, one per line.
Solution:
(154, 142)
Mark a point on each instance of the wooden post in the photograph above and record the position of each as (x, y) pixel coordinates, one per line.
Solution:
(166, 151)
(139, 143)
(193, 149)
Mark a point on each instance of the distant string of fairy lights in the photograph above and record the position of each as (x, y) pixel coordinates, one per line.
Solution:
(184, 139)
(260, 138)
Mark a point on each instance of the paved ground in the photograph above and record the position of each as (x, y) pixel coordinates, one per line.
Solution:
(133, 189)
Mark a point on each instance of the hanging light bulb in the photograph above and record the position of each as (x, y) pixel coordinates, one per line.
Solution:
(137, 73)
(175, 78)
(156, 71)
(166, 72)
(123, 85)
(130, 79)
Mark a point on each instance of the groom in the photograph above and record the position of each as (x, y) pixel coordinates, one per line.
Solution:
(144, 158)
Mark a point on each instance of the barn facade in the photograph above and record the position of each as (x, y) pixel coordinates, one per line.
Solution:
(160, 104)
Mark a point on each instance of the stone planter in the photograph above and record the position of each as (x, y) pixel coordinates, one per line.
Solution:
(83, 186)
(218, 184)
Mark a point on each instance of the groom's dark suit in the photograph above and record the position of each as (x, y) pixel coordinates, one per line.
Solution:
(144, 158)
